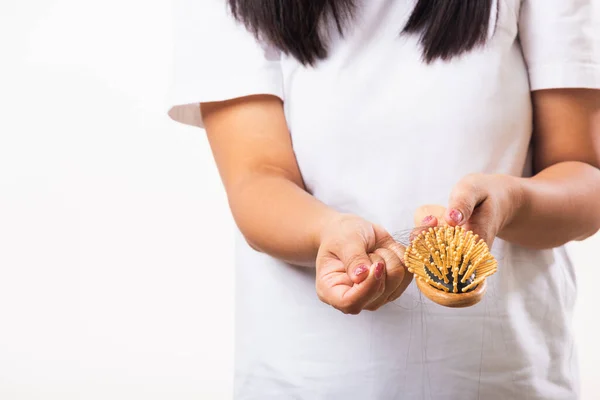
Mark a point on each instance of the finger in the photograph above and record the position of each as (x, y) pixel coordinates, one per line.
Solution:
(465, 197)
(393, 246)
(408, 277)
(393, 262)
(375, 259)
(381, 293)
(395, 272)
(335, 288)
(482, 222)
(399, 250)
(352, 300)
(386, 241)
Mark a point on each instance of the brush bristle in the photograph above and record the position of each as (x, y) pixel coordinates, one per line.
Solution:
(450, 259)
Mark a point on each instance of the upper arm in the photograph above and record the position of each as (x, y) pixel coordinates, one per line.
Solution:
(249, 135)
(560, 41)
(227, 81)
(216, 59)
(566, 127)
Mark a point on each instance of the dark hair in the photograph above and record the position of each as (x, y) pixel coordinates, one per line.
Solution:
(447, 28)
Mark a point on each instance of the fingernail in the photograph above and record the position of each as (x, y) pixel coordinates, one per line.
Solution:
(456, 216)
(428, 219)
(361, 269)
(379, 270)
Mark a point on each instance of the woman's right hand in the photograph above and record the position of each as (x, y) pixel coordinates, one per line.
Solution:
(359, 266)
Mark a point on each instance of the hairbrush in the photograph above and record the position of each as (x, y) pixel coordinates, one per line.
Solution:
(450, 265)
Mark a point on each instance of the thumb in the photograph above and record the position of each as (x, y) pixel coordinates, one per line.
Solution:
(425, 215)
(356, 261)
(465, 197)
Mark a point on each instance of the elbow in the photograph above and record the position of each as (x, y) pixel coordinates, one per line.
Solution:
(593, 225)
(249, 235)
(252, 244)
(593, 216)
(588, 235)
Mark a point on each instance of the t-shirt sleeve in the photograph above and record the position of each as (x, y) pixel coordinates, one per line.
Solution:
(561, 43)
(216, 59)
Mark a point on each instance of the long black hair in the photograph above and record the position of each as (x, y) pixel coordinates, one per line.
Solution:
(447, 28)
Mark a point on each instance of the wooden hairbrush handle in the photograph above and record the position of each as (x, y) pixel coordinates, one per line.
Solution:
(452, 300)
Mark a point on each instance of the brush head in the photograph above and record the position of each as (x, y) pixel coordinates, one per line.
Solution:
(450, 265)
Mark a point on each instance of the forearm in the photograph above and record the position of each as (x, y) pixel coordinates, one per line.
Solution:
(253, 150)
(278, 217)
(558, 205)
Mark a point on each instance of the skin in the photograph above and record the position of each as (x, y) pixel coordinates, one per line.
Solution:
(358, 264)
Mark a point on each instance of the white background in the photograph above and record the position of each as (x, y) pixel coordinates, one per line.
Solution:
(116, 276)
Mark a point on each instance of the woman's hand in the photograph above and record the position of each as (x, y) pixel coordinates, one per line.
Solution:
(484, 204)
(359, 266)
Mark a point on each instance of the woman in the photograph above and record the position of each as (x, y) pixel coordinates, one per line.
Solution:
(334, 122)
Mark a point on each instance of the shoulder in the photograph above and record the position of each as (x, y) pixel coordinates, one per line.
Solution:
(561, 42)
(216, 59)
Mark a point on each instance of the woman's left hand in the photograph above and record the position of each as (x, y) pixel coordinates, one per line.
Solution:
(484, 204)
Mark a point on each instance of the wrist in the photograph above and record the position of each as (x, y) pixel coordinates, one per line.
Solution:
(327, 219)
(517, 198)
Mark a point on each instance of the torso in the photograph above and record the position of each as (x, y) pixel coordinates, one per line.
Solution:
(378, 133)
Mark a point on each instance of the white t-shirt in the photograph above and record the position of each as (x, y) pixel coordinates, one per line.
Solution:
(373, 106)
